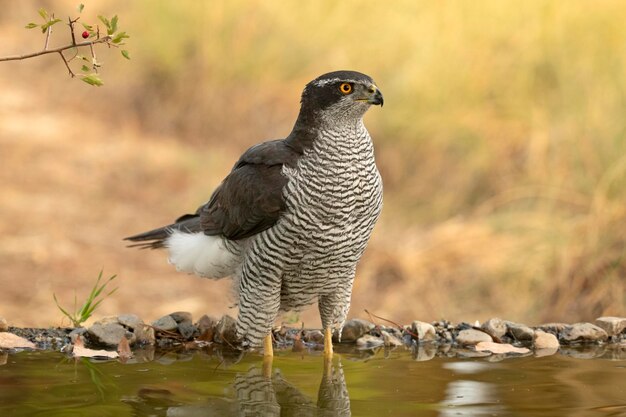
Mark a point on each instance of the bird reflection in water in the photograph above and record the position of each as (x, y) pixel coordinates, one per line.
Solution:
(256, 394)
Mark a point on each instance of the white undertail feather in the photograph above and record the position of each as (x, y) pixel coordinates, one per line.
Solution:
(200, 254)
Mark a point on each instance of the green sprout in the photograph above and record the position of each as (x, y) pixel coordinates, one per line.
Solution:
(82, 314)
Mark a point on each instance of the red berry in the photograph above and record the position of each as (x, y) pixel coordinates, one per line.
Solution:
(85, 35)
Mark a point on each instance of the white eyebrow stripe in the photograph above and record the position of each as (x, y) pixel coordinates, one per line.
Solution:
(322, 83)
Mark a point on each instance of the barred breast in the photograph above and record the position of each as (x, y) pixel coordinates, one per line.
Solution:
(334, 197)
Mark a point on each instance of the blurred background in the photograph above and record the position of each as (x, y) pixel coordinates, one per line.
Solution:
(502, 146)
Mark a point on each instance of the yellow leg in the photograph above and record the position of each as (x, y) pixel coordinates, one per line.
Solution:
(268, 356)
(268, 349)
(328, 343)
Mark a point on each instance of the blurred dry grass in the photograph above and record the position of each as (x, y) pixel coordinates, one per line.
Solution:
(502, 147)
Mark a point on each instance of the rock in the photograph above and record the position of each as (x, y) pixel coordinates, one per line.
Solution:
(390, 339)
(613, 326)
(226, 331)
(109, 334)
(520, 332)
(424, 352)
(131, 321)
(353, 329)
(206, 323)
(313, 336)
(187, 329)
(543, 340)
(166, 323)
(145, 335)
(4, 326)
(470, 337)
(74, 334)
(181, 317)
(11, 341)
(583, 333)
(553, 328)
(495, 327)
(425, 331)
(368, 341)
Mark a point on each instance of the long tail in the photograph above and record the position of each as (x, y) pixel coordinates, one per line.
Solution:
(155, 239)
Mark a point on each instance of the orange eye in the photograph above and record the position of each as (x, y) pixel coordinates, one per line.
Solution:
(345, 88)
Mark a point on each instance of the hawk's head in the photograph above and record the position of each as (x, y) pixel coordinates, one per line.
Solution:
(345, 94)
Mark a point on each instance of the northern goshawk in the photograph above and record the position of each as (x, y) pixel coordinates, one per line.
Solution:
(293, 217)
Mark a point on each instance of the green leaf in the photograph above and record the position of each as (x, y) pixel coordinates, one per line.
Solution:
(43, 13)
(92, 79)
(125, 54)
(85, 68)
(120, 37)
(105, 21)
(113, 28)
(80, 8)
(46, 25)
(31, 25)
(88, 27)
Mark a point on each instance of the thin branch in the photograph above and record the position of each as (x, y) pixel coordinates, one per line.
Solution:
(48, 32)
(105, 39)
(94, 62)
(394, 323)
(66, 64)
(71, 25)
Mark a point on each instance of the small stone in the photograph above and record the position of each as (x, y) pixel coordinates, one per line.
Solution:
(543, 340)
(471, 337)
(187, 330)
(226, 331)
(500, 348)
(368, 342)
(206, 323)
(584, 333)
(495, 327)
(390, 339)
(166, 323)
(181, 316)
(519, 331)
(145, 335)
(109, 334)
(424, 352)
(553, 328)
(313, 336)
(354, 329)
(74, 334)
(4, 326)
(613, 326)
(425, 331)
(131, 321)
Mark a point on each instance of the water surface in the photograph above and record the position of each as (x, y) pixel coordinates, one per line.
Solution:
(382, 383)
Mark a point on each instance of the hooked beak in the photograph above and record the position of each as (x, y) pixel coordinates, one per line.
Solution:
(376, 97)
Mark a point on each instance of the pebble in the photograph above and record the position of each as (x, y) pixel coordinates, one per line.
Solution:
(145, 335)
(166, 323)
(131, 321)
(4, 326)
(583, 332)
(543, 340)
(226, 331)
(11, 341)
(352, 330)
(553, 328)
(79, 331)
(520, 332)
(613, 326)
(313, 336)
(368, 342)
(470, 337)
(181, 316)
(109, 334)
(206, 328)
(425, 331)
(187, 329)
(390, 339)
(495, 327)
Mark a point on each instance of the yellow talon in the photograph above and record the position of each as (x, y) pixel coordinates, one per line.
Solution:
(268, 356)
(328, 343)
